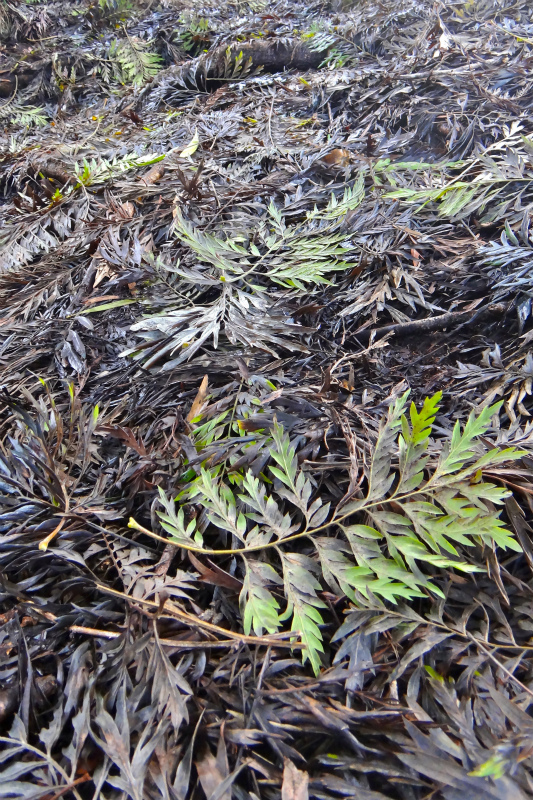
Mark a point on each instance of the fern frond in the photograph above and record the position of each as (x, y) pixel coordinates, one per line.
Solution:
(134, 62)
(344, 577)
(297, 488)
(16, 113)
(115, 6)
(461, 446)
(511, 260)
(414, 516)
(174, 523)
(292, 256)
(352, 199)
(490, 185)
(100, 170)
(236, 67)
(220, 504)
(413, 443)
(268, 511)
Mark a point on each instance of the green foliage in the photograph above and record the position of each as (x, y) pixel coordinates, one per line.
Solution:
(259, 608)
(115, 6)
(338, 50)
(494, 767)
(133, 61)
(489, 185)
(301, 587)
(101, 170)
(421, 505)
(236, 68)
(16, 113)
(195, 37)
(174, 522)
(292, 256)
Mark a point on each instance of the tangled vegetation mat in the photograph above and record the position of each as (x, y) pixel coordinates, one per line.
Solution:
(266, 454)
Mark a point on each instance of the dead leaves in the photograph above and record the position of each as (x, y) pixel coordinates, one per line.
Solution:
(122, 660)
(199, 400)
(295, 784)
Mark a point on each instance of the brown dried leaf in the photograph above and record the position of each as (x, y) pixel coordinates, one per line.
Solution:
(295, 784)
(199, 400)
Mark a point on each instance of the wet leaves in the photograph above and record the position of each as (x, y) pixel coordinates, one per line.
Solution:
(217, 222)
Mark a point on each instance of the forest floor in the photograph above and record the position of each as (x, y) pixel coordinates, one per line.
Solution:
(266, 451)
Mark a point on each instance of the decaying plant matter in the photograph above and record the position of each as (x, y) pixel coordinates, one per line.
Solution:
(266, 450)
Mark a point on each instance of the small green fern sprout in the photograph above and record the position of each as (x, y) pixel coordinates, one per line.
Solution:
(418, 511)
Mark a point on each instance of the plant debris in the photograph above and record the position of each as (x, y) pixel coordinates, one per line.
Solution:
(266, 457)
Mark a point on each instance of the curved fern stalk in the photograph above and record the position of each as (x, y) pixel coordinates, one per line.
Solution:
(387, 544)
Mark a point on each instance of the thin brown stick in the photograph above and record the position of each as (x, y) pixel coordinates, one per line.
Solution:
(94, 632)
(185, 644)
(170, 609)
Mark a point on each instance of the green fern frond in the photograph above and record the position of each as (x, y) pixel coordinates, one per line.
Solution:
(415, 517)
(381, 475)
(461, 446)
(352, 199)
(174, 523)
(293, 256)
(236, 67)
(115, 6)
(195, 37)
(267, 510)
(133, 60)
(413, 443)
(101, 170)
(221, 506)
(16, 113)
(489, 185)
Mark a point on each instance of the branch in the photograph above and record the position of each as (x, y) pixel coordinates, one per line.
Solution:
(440, 322)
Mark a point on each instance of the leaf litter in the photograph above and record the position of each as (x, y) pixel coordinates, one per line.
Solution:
(266, 371)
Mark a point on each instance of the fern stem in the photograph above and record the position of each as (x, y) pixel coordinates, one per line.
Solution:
(235, 551)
